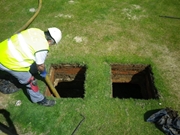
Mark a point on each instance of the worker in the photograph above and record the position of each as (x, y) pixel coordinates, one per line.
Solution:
(23, 52)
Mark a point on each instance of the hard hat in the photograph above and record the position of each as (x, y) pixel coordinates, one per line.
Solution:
(55, 33)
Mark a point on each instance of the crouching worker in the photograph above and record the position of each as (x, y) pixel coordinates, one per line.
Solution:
(20, 52)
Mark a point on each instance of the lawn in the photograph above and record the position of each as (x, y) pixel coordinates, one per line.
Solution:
(97, 34)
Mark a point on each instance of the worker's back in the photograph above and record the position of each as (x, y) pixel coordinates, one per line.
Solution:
(18, 52)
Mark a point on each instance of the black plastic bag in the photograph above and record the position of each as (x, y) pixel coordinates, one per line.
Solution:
(168, 120)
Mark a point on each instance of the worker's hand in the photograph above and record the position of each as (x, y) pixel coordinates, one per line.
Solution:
(43, 73)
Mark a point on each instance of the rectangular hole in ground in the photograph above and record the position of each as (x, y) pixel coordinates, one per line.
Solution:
(133, 81)
(68, 80)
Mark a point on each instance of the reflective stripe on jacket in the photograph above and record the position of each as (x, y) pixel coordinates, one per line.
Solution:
(18, 52)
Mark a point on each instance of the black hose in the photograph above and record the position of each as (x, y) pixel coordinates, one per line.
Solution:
(171, 17)
(78, 125)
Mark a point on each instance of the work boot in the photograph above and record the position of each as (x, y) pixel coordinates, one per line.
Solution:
(47, 102)
(7, 87)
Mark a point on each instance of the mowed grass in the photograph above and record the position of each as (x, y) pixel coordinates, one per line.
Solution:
(97, 34)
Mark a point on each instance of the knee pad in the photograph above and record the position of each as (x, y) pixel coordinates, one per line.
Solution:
(33, 84)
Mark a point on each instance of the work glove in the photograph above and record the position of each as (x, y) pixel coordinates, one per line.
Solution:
(43, 73)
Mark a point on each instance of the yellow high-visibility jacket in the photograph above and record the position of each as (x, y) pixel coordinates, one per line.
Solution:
(18, 52)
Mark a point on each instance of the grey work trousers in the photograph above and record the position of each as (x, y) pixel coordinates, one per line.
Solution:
(23, 78)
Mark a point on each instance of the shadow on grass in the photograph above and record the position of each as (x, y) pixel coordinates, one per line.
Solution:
(10, 129)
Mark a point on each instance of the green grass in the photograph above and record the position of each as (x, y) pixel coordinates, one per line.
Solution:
(112, 31)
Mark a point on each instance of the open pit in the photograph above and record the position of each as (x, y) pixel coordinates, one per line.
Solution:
(68, 80)
(128, 81)
(133, 81)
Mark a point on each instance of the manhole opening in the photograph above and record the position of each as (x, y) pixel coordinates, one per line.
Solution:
(133, 81)
(68, 80)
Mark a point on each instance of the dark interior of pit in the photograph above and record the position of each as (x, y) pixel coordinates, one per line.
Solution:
(72, 89)
(133, 81)
(126, 90)
(72, 78)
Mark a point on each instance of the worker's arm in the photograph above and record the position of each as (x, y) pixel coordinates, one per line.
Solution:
(41, 67)
(40, 59)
